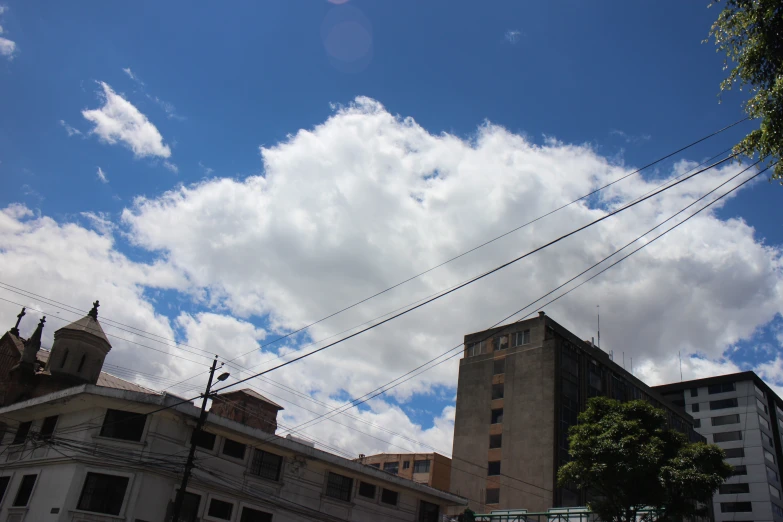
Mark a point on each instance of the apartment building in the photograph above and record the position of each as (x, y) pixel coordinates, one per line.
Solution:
(742, 415)
(432, 469)
(520, 388)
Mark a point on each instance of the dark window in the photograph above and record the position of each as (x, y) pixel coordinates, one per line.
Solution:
(391, 467)
(428, 512)
(367, 490)
(4, 486)
(189, 511)
(762, 406)
(520, 338)
(772, 475)
(495, 441)
(740, 470)
(727, 436)
(339, 487)
(103, 493)
(723, 404)
(254, 515)
(497, 416)
(406, 464)
(232, 448)
(733, 489)
(679, 402)
(47, 428)
(266, 465)
(65, 358)
(81, 364)
(697, 423)
(493, 468)
(123, 425)
(493, 495)
(389, 497)
(501, 343)
(21, 432)
(734, 453)
(763, 422)
(499, 366)
(769, 456)
(724, 420)
(220, 509)
(497, 391)
(721, 388)
(421, 466)
(777, 510)
(694, 392)
(25, 490)
(735, 507)
(376, 465)
(695, 407)
(204, 439)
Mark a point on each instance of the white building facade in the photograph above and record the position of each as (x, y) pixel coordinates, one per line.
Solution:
(93, 453)
(742, 415)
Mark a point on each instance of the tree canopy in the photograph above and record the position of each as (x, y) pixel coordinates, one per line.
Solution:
(625, 455)
(750, 33)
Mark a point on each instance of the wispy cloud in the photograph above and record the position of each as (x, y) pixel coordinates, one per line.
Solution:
(173, 168)
(132, 76)
(102, 176)
(629, 138)
(512, 35)
(70, 130)
(7, 47)
(119, 120)
(207, 170)
(167, 107)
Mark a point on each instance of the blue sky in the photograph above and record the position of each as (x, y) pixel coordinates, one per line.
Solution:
(624, 81)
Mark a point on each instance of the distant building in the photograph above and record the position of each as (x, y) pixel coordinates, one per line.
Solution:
(432, 469)
(81, 445)
(742, 415)
(520, 388)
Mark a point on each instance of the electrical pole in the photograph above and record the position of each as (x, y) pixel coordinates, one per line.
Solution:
(193, 438)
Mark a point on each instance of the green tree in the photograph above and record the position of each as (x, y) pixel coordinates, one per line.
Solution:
(628, 458)
(750, 33)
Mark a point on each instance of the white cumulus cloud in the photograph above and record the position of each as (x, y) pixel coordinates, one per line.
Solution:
(102, 175)
(118, 120)
(7, 47)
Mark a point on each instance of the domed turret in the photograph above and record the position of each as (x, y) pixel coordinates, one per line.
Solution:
(79, 349)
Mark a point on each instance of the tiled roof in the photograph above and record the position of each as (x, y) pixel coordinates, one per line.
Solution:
(87, 324)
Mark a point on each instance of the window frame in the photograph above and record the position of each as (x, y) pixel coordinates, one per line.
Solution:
(202, 506)
(232, 457)
(695, 407)
(490, 466)
(526, 338)
(15, 441)
(501, 361)
(326, 487)
(715, 389)
(396, 498)
(406, 464)
(428, 465)
(391, 464)
(54, 428)
(501, 387)
(23, 474)
(4, 493)
(744, 502)
(492, 416)
(243, 505)
(486, 496)
(374, 496)
(719, 436)
(420, 510)
(694, 392)
(102, 471)
(741, 456)
(733, 415)
(215, 443)
(221, 498)
(737, 485)
(252, 461)
(715, 405)
(142, 435)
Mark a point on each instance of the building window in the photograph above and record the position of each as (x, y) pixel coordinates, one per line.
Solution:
(391, 467)
(254, 515)
(421, 466)
(376, 465)
(772, 475)
(695, 407)
(21, 432)
(190, 505)
(501, 343)
(763, 422)
(4, 486)
(724, 420)
(81, 364)
(497, 391)
(766, 438)
(721, 388)
(25, 491)
(234, 449)
(740, 470)
(499, 366)
(47, 428)
(406, 464)
(769, 456)
(697, 423)
(497, 416)
(204, 439)
(220, 509)
(723, 404)
(758, 390)
(736, 507)
(777, 510)
(339, 487)
(493, 468)
(762, 407)
(495, 441)
(103, 493)
(493, 495)
(727, 436)
(477, 348)
(775, 492)
(734, 453)
(389, 497)
(367, 490)
(123, 425)
(428, 512)
(694, 392)
(266, 465)
(520, 338)
(65, 358)
(733, 489)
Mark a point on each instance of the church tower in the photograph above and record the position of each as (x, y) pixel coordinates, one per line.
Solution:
(79, 349)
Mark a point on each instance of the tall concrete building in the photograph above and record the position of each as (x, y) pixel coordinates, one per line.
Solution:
(742, 415)
(520, 388)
